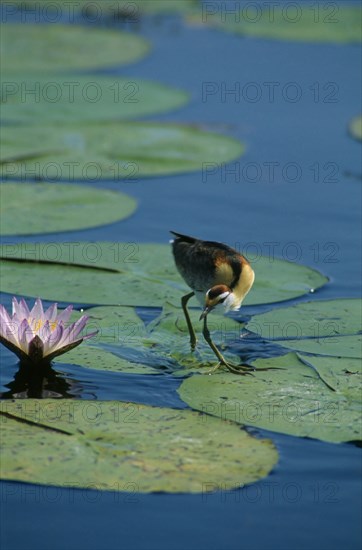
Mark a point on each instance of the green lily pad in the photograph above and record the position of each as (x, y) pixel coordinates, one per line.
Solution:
(310, 319)
(108, 445)
(338, 346)
(321, 327)
(72, 98)
(112, 150)
(30, 208)
(330, 22)
(119, 327)
(165, 6)
(95, 10)
(342, 374)
(128, 274)
(55, 47)
(99, 359)
(355, 127)
(279, 280)
(116, 325)
(294, 400)
(165, 340)
(168, 337)
(14, 149)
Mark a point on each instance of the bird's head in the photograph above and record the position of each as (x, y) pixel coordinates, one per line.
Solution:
(216, 297)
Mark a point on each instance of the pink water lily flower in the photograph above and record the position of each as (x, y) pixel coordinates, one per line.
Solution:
(37, 335)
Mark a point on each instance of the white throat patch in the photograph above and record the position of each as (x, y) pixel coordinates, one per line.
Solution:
(230, 303)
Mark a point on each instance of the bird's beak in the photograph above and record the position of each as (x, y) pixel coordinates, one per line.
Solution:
(205, 312)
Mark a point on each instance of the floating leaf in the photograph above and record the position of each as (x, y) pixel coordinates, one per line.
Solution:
(168, 337)
(116, 325)
(99, 359)
(28, 208)
(165, 6)
(278, 280)
(54, 47)
(95, 10)
(129, 274)
(17, 150)
(126, 447)
(294, 400)
(120, 330)
(163, 342)
(322, 327)
(342, 374)
(355, 127)
(314, 23)
(339, 346)
(72, 98)
(310, 319)
(112, 150)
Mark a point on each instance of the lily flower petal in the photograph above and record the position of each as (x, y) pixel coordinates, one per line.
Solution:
(52, 342)
(25, 335)
(90, 335)
(45, 331)
(37, 312)
(20, 309)
(23, 310)
(5, 319)
(67, 336)
(35, 334)
(71, 333)
(11, 334)
(51, 312)
(15, 306)
(78, 326)
(65, 315)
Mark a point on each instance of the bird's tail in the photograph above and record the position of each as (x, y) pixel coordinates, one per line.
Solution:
(185, 238)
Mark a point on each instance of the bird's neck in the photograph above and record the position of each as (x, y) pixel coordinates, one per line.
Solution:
(244, 284)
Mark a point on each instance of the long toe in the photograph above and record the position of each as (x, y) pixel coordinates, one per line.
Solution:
(235, 369)
(240, 369)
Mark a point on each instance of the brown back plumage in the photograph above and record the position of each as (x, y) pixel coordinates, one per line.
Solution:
(204, 264)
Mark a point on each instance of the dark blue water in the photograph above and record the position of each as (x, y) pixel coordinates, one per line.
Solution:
(296, 193)
(304, 504)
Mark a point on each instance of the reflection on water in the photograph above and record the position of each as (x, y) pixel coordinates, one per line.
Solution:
(42, 383)
(75, 382)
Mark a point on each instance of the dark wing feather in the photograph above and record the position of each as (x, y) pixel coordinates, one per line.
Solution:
(204, 264)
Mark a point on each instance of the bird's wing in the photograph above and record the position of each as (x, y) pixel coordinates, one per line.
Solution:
(227, 269)
(204, 264)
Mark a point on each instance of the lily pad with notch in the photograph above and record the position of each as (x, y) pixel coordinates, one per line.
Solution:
(129, 274)
(105, 444)
(292, 397)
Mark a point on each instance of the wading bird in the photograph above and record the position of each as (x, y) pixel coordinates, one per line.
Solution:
(219, 277)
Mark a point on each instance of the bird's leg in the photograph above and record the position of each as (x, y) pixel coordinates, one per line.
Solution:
(222, 361)
(184, 300)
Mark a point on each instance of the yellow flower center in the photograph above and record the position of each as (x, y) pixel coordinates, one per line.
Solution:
(37, 325)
